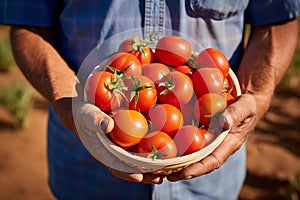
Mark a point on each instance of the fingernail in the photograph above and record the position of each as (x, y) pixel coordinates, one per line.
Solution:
(103, 125)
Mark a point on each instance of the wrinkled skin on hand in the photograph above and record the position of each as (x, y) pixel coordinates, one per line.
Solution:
(241, 117)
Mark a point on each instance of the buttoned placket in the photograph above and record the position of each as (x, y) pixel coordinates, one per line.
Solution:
(154, 19)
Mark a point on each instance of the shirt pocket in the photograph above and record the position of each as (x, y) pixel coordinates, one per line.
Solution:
(216, 9)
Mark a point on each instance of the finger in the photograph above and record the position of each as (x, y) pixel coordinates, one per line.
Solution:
(138, 177)
(237, 112)
(212, 162)
(94, 119)
(153, 178)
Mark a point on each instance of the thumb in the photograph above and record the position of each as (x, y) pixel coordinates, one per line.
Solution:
(92, 118)
(234, 114)
(107, 124)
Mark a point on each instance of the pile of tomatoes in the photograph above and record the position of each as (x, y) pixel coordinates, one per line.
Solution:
(164, 101)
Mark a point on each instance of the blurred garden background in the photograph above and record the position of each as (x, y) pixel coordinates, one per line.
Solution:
(273, 158)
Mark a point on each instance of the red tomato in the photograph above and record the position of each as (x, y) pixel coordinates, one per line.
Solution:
(208, 80)
(98, 92)
(229, 98)
(185, 69)
(125, 62)
(166, 118)
(155, 71)
(189, 139)
(212, 57)
(157, 144)
(209, 136)
(207, 106)
(141, 93)
(173, 50)
(139, 48)
(130, 127)
(176, 89)
(188, 114)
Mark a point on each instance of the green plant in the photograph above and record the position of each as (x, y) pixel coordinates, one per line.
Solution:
(17, 99)
(7, 62)
(294, 187)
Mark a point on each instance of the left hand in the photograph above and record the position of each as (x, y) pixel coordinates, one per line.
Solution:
(241, 117)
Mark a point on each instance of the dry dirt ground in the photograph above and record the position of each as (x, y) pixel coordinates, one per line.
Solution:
(273, 151)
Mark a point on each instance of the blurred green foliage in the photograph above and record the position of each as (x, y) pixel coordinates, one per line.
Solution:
(17, 100)
(291, 80)
(294, 187)
(7, 62)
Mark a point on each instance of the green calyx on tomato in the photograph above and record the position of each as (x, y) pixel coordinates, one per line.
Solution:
(117, 84)
(155, 154)
(169, 84)
(139, 48)
(139, 45)
(135, 89)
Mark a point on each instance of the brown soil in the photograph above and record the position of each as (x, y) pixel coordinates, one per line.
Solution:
(273, 151)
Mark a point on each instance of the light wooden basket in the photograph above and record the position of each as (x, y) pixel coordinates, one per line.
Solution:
(167, 166)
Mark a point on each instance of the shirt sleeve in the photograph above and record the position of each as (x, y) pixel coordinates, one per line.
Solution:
(29, 12)
(260, 12)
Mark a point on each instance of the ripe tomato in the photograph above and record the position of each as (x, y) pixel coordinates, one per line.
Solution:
(188, 114)
(139, 48)
(207, 80)
(166, 118)
(209, 135)
(101, 91)
(155, 71)
(141, 94)
(157, 144)
(189, 139)
(173, 50)
(185, 69)
(229, 98)
(226, 86)
(130, 127)
(125, 62)
(175, 88)
(229, 86)
(207, 106)
(212, 57)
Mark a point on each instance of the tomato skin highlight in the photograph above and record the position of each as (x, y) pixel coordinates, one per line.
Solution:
(212, 57)
(178, 93)
(185, 69)
(166, 118)
(209, 136)
(173, 50)
(189, 139)
(207, 106)
(162, 142)
(99, 94)
(130, 127)
(207, 80)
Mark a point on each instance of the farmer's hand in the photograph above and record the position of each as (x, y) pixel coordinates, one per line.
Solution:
(241, 117)
(88, 120)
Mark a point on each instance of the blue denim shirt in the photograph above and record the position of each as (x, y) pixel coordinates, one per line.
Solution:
(86, 31)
